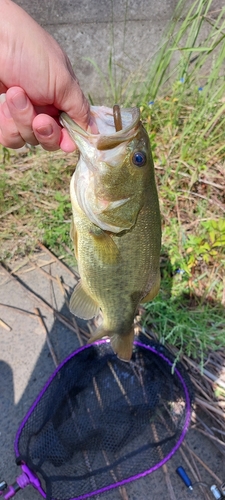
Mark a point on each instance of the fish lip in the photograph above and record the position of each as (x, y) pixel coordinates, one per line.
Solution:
(101, 140)
(68, 123)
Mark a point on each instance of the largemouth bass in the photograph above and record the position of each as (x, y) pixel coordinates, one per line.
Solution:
(116, 227)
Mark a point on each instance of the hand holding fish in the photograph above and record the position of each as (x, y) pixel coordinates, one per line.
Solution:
(38, 80)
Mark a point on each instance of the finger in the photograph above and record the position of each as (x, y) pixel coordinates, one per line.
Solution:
(22, 112)
(66, 143)
(71, 98)
(3, 88)
(9, 134)
(78, 109)
(47, 131)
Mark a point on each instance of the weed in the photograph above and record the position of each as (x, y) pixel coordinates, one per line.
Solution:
(56, 226)
(35, 192)
(186, 124)
(187, 322)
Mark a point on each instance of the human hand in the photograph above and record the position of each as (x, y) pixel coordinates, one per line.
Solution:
(39, 82)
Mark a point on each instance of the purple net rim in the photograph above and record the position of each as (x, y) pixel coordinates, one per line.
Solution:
(141, 474)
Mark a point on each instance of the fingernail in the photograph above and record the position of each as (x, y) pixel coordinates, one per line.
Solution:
(20, 101)
(45, 131)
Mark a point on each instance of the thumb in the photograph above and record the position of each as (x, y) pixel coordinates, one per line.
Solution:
(72, 100)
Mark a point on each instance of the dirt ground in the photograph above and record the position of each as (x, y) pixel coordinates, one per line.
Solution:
(30, 349)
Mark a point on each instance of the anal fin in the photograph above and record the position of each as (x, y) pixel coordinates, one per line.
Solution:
(81, 304)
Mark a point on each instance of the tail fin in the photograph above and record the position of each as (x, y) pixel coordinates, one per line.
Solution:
(122, 345)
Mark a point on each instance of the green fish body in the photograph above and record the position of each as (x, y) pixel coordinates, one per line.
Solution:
(116, 227)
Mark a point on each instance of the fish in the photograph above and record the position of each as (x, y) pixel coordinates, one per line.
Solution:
(116, 224)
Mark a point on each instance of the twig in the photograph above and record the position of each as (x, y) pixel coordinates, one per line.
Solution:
(77, 330)
(28, 290)
(73, 273)
(119, 383)
(19, 266)
(48, 275)
(168, 482)
(210, 431)
(61, 286)
(208, 375)
(11, 210)
(122, 490)
(50, 346)
(195, 467)
(5, 326)
(213, 416)
(200, 389)
(211, 436)
(210, 407)
(39, 265)
(67, 323)
(195, 475)
(44, 303)
(17, 309)
(218, 430)
(217, 479)
(164, 467)
(209, 200)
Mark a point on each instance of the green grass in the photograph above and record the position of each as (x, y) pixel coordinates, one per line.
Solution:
(186, 124)
(188, 322)
(182, 102)
(35, 202)
(192, 51)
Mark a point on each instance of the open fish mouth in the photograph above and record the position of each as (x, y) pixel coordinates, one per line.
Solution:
(99, 184)
(115, 126)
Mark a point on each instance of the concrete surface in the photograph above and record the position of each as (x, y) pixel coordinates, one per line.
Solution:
(93, 28)
(26, 364)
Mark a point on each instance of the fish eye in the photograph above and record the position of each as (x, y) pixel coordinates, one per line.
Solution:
(139, 158)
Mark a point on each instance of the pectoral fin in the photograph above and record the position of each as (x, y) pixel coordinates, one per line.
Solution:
(81, 304)
(106, 248)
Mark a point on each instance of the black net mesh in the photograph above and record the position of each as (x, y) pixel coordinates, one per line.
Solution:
(101, 421)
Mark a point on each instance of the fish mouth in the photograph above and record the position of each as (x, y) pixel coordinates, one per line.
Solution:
(108, 122)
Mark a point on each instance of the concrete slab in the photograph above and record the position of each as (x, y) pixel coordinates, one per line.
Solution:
(98, 11)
